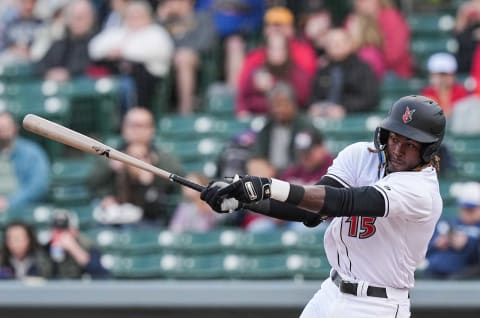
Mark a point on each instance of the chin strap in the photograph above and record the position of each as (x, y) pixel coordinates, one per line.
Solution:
(382, 160)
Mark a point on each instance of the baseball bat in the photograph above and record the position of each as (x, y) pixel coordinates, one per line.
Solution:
(64, 135)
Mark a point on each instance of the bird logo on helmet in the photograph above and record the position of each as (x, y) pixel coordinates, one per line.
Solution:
(407, 116)
(427, 126)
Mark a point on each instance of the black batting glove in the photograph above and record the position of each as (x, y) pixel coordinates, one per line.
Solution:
(249, 189)
(217, 202)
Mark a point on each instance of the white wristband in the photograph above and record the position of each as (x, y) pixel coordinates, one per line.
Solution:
(280, 190)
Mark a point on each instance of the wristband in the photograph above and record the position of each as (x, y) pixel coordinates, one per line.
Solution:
(285, 192)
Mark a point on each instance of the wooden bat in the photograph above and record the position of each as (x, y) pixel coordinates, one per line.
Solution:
(64, 135)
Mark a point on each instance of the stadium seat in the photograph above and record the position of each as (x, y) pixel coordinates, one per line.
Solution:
(220, 101)
(355, 126)
(431, 24)
(72, 170)
(128, 241)
(133, 267)
(193, 266)
(259, 243)
(308, 241)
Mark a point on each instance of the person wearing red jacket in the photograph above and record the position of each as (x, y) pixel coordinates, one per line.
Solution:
(395, 34)
(280, 20)
(443, 87)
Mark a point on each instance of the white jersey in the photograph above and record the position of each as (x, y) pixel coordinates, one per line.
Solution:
(383, 251)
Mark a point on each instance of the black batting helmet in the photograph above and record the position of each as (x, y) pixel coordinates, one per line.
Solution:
(417, 118)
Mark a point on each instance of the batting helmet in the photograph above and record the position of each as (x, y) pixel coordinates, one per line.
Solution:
(417, 118)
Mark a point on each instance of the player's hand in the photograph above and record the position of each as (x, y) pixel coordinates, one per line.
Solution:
(216, 202)
(249, 189)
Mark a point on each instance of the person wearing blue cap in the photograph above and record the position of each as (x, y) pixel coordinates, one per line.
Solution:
(454, 249)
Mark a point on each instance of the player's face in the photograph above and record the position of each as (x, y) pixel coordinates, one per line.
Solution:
(403, 153)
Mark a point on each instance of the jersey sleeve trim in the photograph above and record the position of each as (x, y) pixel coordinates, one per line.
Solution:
(385, 196)
(338, 179)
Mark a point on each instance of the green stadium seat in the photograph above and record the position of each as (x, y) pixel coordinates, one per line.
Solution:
(94, 105)
(395, 88)
(197, 126)
(450, 211)
(72, 170)
(193, 150)
(308, 241)
(259, 243)
(431, 23)
(68, 195)
(39, 215)
(220, 101)
(276, 266)
(192, 267)
(469, 170)
(465, 149)
(133, 267)
(355, 126)
(16, 72)
(127, 241)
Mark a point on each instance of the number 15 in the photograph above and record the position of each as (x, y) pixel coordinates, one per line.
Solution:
(361, 226)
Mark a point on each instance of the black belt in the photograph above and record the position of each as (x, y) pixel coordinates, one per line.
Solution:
(351, 288)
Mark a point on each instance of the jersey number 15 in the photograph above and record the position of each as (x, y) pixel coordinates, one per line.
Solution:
(361, 226)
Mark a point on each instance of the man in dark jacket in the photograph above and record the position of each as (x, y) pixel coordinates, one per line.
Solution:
(68, 57)
(346, 85)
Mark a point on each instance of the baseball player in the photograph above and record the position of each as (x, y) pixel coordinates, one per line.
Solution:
(385, 201)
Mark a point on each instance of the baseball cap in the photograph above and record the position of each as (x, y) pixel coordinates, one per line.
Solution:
(278, 15)
(442, 63)
(468, 194)
(306, 139)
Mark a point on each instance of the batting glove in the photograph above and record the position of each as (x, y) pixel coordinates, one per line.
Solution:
(216, 202)
(249, 189)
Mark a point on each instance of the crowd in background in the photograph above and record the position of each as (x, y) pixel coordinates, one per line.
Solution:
(288, 61)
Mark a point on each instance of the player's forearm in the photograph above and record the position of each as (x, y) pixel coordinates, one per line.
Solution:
(330, 201)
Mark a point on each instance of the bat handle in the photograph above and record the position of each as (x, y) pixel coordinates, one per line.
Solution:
(186, 182)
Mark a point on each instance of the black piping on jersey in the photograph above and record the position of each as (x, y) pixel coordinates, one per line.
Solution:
(336, 178)
(385, 196)
(335, 181)
(346, 248)
(396, 313)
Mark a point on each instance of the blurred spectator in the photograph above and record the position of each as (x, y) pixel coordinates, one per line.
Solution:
(8, 11)
(72, 254)
(279, 20)
(347, 84)
(316, 26)
(444, 88)
(194, 36)
(278, 66)
(395, 34)
(275, 141)
(234, 155)
(21, 255)
(465, 116)
(129, 194)
(237, 23)
(51, 12)
(19, 34)
(313, 159)
(453, 250)
(24, 167)
(254, 222)
(367, 40)
(467, 33)
(68, 57)
(116, 16)
(192, 214)
(139, 48)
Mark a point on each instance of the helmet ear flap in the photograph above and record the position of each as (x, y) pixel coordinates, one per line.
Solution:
(381, 137)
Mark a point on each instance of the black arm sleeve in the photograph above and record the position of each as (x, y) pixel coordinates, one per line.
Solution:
(289, 212)
(362, 201)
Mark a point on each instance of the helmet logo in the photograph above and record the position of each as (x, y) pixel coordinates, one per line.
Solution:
(407, 116)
